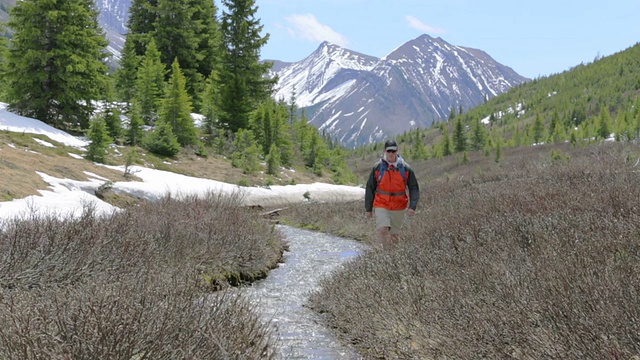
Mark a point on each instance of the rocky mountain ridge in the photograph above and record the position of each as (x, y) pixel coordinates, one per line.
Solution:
(360, 99)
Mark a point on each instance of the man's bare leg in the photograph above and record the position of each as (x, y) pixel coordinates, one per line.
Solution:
(384, 238)
(395, 239)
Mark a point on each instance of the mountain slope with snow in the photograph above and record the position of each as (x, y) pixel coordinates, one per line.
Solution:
(360, 99)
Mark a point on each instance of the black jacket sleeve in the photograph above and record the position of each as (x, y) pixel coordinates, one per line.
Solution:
(370, 190)
(414, 189)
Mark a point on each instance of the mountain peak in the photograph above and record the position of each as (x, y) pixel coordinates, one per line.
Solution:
(360, 99)
(333, 52)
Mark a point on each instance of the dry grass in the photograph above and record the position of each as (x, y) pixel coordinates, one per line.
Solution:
(21, 157)
(136, 285)
(19, 163)
(535, 259)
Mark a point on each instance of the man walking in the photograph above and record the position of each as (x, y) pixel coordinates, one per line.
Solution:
(386, 194)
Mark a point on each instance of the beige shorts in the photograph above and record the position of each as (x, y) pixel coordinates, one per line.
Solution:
(389, 218)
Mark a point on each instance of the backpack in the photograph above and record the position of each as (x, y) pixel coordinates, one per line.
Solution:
(401, 168)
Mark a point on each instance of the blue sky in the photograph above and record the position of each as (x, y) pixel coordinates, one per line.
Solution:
(534, 38)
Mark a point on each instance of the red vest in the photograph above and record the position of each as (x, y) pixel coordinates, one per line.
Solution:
(391, 191)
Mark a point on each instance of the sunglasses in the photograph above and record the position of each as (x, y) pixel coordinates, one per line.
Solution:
(391, 151)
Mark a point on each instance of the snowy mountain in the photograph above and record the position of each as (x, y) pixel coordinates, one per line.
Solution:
(113, 18)
(360, 99)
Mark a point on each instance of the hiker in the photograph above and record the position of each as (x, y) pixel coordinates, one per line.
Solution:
(386, 194)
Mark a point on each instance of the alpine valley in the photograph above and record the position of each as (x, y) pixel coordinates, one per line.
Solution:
(358, 99)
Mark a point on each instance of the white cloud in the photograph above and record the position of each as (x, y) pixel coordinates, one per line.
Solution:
(419, 25)
(306, 26)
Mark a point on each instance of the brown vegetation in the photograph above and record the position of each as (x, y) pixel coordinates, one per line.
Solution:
(136, 285)
(538, 258)
(21, 157)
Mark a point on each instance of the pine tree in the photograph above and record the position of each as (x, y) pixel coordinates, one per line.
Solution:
(243, 78)
(126, 74)
(293, 107)
(135, 133)
(498, 156)
(150, 85)
(175, 108)
(446, 142)
(100, 140)
(212, 128)
(162, 141)
(208, 39)
(459, 137)
(175, 35)
(273, 160)
(317, 152)
(3, 63)
(141, 24)
(246, 154)
(538, 129)
(188, 30)
(56, 63)
(479, 136)
(338, 165)
(111, 115)
(604, 123)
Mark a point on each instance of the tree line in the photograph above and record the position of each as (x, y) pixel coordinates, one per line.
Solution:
(180, 57)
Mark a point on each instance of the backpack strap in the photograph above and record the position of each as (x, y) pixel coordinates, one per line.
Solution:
(383, 169)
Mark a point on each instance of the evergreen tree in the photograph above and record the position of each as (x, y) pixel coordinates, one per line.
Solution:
(338, 165)
(269, 123)
(208, 39)
(175, 108)
(317, 152)
(3, 60)
(141, 24)
(162, 141)
(100, 140)
(293, 107)
(150, 85)
(246, 154)
(3, 63)
(56, 63)
(452, 113)
(419, 150)
(243, 78)
(479, 137)
(212, 128)
(134, 133)
(127, 73)
(445, 145)
(459, 137)
(538, 129)
(111, 113)
(175, 35)
(498, 156)
(623, 126)
(604, 123)
(273, 160)
(188, 30)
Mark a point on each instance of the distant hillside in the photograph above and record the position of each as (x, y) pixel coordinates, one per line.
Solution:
(585, 104)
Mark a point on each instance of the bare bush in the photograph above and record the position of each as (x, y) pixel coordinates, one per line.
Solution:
(538, 260)
(130, 286)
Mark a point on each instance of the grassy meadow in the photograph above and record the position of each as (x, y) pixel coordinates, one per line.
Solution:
(535, 257)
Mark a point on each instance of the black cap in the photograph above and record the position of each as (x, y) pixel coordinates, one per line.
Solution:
(390, 145)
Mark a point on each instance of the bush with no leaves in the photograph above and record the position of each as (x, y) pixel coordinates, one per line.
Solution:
(133, 285)
(537, 261)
